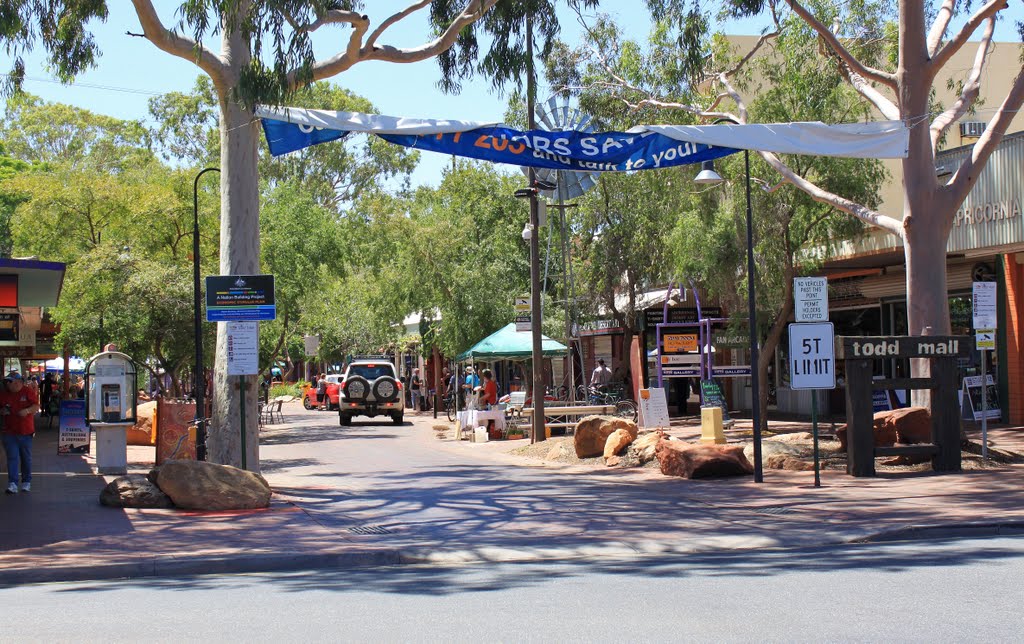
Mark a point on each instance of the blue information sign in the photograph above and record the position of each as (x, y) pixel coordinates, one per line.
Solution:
(239, 298)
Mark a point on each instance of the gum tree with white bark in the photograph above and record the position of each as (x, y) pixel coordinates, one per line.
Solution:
(265, 55)
(894, 57)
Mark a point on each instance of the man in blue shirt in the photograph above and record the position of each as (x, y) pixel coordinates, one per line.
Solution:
(469, 385)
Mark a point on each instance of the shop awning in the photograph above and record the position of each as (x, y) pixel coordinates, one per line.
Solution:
(37, 283)
(506, 343)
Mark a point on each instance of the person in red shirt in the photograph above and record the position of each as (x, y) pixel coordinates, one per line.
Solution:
(18, 406)
(489, 391)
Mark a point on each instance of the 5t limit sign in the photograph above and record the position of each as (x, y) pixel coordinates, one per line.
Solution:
(812, 356)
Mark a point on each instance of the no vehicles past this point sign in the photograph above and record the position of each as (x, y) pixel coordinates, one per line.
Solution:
(810, 295)
(812, 356)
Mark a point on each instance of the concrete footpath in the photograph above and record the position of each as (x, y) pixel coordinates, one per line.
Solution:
(498, 507)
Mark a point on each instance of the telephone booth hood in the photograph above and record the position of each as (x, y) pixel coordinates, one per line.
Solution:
(111, 388)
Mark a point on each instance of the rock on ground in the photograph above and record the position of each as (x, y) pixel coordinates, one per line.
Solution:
(592, 433)
(617, 441)
(642, 449)
(771, 447)
(701, 461)
(134, 491)
(885, 435)
(141, 433)
(913, 425)
(787, 462)
(199, 485)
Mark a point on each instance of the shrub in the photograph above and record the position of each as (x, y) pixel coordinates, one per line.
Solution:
(286, 389)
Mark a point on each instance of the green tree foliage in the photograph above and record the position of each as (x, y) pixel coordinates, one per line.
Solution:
(466, 259)
(9, 199)
(38, 131)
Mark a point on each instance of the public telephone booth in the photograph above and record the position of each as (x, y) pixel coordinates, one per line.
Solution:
(111, 407)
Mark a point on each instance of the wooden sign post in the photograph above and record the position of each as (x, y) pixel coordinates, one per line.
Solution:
(859, 352)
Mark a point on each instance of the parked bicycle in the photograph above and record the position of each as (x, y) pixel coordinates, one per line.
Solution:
(450, 407)
(611, 395)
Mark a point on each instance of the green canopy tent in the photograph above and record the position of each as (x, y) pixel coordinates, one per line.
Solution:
(507, 343)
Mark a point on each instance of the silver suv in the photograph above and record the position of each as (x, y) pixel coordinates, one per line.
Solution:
(370, 388)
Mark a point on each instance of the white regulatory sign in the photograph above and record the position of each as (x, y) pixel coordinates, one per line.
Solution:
(812, 356)
(811, 298)
(243, 348)
(984, 305)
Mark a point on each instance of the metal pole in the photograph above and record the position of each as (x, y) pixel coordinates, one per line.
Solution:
(242, 386)
(755, 389)
(535, 317)
(199, 387)
(814, 428)
(984, 408)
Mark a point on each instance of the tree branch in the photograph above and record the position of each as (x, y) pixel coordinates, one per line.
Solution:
(939, 27)
(401, 15)
(330, 17)
(970, 92)
(876, 75)
(474, 10)
(357, 52)
(176, 44)
(940, 59)
(966, 175)
(821, 195)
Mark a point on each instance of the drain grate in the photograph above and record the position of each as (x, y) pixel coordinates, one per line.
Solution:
(369, 529)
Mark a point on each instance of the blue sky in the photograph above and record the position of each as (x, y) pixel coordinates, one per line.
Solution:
(132, 70)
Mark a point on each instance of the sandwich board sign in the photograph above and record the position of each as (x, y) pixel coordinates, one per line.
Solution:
(653, 408)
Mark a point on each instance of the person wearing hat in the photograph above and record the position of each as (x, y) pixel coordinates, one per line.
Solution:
(18, 406)
(469, 385)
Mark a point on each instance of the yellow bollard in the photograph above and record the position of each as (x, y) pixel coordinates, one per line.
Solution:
(711, 426)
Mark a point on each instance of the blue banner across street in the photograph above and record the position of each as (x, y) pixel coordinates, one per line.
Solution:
(570, 150)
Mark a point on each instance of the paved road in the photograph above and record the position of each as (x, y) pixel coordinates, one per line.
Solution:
(945, 591)
(399, 486)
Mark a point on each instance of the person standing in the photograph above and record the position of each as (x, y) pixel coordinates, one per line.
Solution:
(601, 377)
(46, 393)
(415, 386)
(18, 405)
(323, 402)
(489, 391)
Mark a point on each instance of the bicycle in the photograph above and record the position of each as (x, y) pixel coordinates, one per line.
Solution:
(613, 395)
(450, 407)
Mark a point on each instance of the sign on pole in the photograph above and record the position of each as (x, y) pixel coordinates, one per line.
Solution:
(523, 309)
(812, 356)
(243, 348)
(232, 298)
(811, 297)
(984, 305)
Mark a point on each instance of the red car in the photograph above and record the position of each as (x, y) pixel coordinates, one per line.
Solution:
(309, 396)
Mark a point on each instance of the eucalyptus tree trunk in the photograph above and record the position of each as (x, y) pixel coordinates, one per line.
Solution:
(239, 255)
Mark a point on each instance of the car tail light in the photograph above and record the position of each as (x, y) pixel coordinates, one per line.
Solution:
(353, 404)
(399, 383)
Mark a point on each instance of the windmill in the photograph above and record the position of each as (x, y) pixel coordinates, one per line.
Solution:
(557, 116)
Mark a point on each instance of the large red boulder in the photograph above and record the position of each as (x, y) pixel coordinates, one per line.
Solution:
(689, 461)
(913, 425)
(591, 434)
(885, 435)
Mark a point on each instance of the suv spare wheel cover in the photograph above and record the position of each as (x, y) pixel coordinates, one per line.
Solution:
(356, 388)
(385, 388)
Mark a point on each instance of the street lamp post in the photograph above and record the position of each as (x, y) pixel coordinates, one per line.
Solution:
(199, 388)
(709, 176)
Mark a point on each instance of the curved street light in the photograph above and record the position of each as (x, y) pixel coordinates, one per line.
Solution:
(199, 386)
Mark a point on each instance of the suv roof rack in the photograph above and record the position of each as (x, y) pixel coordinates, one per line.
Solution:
(373, 357)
